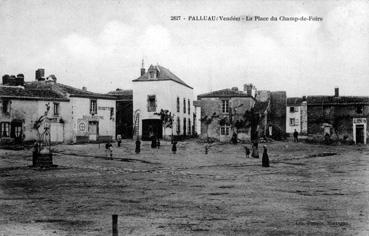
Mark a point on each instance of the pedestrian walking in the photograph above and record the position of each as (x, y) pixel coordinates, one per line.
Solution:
(174, 147)
(247, 152)
(119, 139)
(109, 150)
(265, 159)
(153, 141)
(206, 148)
(158, 143)
(295, 136)
(234, 138)
(138, 146)
(255, 150)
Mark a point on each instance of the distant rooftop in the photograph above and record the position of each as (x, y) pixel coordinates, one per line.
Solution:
(340, 100)
(162, 75)
(224, 93)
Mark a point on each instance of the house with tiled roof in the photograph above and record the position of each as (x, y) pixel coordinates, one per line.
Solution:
(337, 117)
(296, 115)
(73, 115)
(217, 113)
(160, 89)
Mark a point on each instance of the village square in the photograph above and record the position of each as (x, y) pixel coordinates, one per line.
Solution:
(162, 162)
(143, 117)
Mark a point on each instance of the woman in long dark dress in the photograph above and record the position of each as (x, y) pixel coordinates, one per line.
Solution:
(265, 159)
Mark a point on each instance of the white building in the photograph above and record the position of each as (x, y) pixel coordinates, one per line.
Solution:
(75, 115)
(159, 89)
(296, 115)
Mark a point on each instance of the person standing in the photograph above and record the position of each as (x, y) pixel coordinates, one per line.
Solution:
(109, 150)
(119, 139)
(138, 146)
(265, 159)
(295, 136)
(174, 147)
(247, 152)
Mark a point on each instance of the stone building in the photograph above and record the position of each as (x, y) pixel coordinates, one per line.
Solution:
(124, 112)
(340, 117)
(160, 89)
(75, 115)
(224, 108)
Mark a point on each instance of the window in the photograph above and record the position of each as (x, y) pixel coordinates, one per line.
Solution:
(224, 130)
(93, 107)
(178, 125)
(359, 109)
(225, 106)
(189, 106)
(184, 105)
(178, 104)
(151, 103)
(4, 129)
(17, 131)
(111, 113)
(292, 122)
(56, 109)
(184, 126)
(292, 109)
(152, 74)
(6, 106)
(189, 126)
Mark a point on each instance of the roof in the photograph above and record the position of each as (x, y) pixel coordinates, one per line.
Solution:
(122, 94)
(261, 107)
(19, 92)
(42, 90)
(224, 93)
(66, 90)
(163, 74)
(341, 100)
(294, 101)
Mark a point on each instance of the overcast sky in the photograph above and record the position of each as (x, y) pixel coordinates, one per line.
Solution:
(100, 44)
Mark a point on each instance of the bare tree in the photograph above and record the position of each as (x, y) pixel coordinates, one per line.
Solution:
(207, 120)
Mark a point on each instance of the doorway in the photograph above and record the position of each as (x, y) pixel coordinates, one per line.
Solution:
(151, 127)
(93, 130)
(359, 134)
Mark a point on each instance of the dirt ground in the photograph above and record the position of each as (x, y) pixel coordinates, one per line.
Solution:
(308, 190)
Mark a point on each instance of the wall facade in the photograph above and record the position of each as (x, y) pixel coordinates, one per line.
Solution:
(337, 117)
(26, 112)
(209, 106)
(92, 127)
(293, 119)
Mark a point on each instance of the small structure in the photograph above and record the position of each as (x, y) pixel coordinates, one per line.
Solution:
(222, 113)
(76, 115)
(124, 112)
(296, 115)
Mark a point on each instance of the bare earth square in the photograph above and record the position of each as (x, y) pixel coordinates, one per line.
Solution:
(308, 190)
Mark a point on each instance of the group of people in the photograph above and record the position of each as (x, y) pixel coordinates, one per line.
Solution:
(155, 143)
(265, 158)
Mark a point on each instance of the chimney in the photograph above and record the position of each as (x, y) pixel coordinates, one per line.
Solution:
(84, 88)
(6, 79)
(40, 73)
(248, 89)
(142, 68)
(51, 79)
(336, 92)
(234, 89)
(19, 80)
